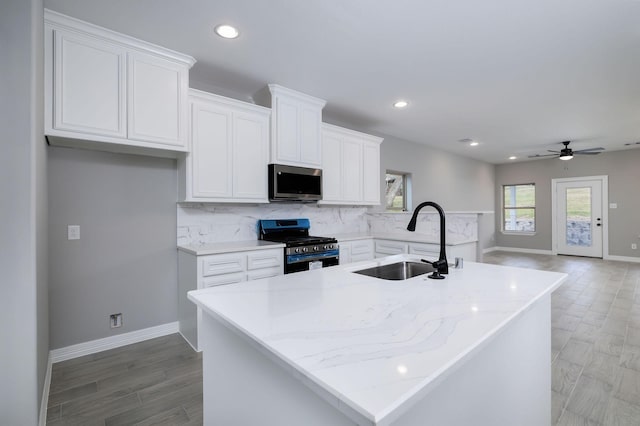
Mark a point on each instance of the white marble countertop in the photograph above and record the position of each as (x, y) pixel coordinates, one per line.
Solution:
(413, 237)
(228, 247)
(372, 347)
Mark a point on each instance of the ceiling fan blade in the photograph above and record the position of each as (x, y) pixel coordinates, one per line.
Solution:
(586, 153)
(545, 155)
(551, 150)
(590, 149)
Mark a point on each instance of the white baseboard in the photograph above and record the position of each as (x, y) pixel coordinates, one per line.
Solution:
(44, 402)
(99, 345)
(521, 250)
(623, 258)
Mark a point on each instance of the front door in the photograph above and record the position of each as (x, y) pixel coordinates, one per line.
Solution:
(579, 218)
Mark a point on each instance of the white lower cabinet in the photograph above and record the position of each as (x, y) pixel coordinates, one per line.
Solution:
(356, 251)
(197, 272)
(390, 247)
(229, 151)
(466, 251)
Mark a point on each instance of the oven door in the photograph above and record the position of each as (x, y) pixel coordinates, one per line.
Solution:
(305, 262)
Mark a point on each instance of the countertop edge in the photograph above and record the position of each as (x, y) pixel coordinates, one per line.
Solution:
(343, 238)
(393, 412)
(345, 406)
(229, 247)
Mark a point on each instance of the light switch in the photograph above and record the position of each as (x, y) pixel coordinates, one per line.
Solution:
(613, 205)
(73, 232)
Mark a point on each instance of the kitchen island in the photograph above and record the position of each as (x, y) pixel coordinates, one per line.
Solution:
(332, 347)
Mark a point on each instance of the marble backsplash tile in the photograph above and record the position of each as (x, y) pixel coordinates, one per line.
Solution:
(212, 223)
(200, 223)
(460, 226)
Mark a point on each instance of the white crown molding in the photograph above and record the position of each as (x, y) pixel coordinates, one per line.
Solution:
(112, 342)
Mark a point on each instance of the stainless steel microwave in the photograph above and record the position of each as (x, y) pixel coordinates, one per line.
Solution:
(290, 183)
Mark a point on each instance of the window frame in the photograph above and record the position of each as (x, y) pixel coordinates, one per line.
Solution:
(406, 191)
(505, 208)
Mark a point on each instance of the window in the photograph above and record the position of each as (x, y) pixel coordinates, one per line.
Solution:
(519, 208)
(397, 194)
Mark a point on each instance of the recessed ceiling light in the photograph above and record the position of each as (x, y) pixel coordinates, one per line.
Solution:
(513, 157)
(400, 104)
(469, 141)
(227, 31)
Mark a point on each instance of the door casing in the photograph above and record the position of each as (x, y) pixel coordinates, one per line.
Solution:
(605, 211)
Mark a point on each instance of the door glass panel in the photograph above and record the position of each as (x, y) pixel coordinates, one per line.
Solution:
(579, 217)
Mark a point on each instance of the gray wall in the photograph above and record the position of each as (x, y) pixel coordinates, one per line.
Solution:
(23, 226)
(623, 169)
(126, 260)
(456, 183)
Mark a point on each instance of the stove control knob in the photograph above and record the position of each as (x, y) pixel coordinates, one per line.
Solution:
(325, 247)
(306, 249)
(315, 248)
(297, 250)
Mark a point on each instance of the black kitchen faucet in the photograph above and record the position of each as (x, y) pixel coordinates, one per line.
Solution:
(441, 265)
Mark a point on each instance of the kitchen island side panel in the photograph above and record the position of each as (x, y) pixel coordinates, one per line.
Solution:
(507, 381)
(242, 386)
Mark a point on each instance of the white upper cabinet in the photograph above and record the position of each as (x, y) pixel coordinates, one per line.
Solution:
(156, 100)
(350, 167)
(295, 128)
(229, 151)
(108, 91)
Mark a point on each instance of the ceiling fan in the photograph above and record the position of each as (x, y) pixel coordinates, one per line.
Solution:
(567, 153)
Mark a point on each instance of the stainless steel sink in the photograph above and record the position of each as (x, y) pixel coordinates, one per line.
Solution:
(397, 271)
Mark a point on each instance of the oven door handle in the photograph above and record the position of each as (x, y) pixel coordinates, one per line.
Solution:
(297, 258)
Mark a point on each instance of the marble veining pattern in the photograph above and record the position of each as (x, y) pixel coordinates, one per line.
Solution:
(373, 344)
(201, 223)
(460, 226)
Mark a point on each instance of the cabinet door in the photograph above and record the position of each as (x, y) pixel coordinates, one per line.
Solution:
(351, 169)
(286, 132)
(156, 99)
(345, 253)
(331, 167)
(250, 155)
(387, 248)
(211, 153)
(371, 173)
(310, 138)
(362, 250)
(89, 85)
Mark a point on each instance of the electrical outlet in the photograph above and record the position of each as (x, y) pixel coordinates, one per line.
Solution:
(115, 320)
(634, 246)
(73, 232)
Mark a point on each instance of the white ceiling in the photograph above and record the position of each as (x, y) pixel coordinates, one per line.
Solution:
(519, 76)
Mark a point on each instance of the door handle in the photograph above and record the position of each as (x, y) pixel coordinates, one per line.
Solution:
(598, 219)
(597, 224)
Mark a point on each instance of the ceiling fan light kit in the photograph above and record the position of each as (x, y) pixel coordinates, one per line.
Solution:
(567, 153)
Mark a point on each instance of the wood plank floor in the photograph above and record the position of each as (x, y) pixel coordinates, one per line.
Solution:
(595, 359)
(156, 382)
(595, 338)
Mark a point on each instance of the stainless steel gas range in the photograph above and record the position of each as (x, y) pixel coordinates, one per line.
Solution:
(302, 251)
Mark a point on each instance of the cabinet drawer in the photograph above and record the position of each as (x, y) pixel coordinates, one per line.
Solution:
(361, 256)
(264, 259)
(390, 247)
(264, 273)
(223, 279)
(223, 264)
(359, 248)
(432, 250)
